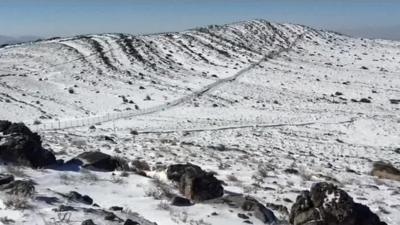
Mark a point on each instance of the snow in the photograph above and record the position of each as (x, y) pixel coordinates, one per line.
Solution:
(279, 113)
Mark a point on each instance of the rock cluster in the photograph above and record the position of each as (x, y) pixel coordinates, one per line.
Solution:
(326, 204)
(195, 183)
(19, 145)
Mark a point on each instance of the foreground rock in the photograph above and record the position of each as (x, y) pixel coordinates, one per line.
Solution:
(249, 204)
(385, 171)
(99, 161)
(179, 201)
(77, 197)
(195, 183)
(18, 144)
(325, 204)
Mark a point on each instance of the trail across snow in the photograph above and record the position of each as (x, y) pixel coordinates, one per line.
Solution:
(87, 121)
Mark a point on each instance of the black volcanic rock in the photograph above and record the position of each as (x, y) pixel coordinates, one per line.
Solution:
(195, 183)
(326, 204)
(21, 146)
(98, 161)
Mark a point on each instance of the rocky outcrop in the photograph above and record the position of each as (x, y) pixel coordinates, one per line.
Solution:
(326, 204)
(77, 197)
(195, 183)
(385, 171)
(19, 145)
(98, 161)
(250, 205)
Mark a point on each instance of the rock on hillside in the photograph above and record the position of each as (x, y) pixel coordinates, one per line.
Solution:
(18, 144)
(327, 204)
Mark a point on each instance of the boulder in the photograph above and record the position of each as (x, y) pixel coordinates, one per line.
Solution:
(175, 172)
(116, 208)
(140, 165)
(130, 222)
(77, 197)
(385, 171)
(21, 146)
(326, 204)
(98, 161)
(259, 210)
(249, 204)
(195, 183)
(179, 201)
(88, 222)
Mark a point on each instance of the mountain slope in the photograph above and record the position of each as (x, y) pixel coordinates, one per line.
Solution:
(101, 68)
(324, 109)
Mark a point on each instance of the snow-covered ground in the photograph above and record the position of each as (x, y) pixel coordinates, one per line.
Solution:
(322, 109)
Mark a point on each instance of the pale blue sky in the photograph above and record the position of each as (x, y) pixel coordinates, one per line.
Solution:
(379, 18)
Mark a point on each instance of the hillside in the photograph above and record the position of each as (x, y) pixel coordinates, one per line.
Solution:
(271, 108)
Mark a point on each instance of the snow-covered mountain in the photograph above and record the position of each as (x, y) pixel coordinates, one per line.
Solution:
(271, 108)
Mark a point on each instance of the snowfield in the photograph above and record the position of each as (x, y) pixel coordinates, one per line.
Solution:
(270, 108)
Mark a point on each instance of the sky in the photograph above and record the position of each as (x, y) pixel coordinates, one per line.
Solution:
(49, 18)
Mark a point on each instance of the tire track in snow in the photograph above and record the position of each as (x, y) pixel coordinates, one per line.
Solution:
(246, 126)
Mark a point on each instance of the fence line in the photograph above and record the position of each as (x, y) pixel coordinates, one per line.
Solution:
(88, 121)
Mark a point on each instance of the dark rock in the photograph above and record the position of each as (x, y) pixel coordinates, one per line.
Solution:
(116, 208)
(365, 100)
(134, 132)
(88, 222)
(260, 211)
(179, 201)
(385, 171)
(394, 101)
(131, 222)
(75, 196)
(6, 178)
(325, 204)
(338, 93)
(243, 216)
(291, 171)
(110, 216)
(194, 183)
(140, 165)
(19, 187)
(98, 161)
(109, 139)
(218, 147)
(397, 150)
(175, 172)
(64, 208)
(276, 207)
(23, 147)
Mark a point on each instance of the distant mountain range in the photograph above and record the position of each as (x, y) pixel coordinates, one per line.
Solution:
(15, 40)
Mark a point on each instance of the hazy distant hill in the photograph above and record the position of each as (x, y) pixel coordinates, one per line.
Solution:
(15, 40)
